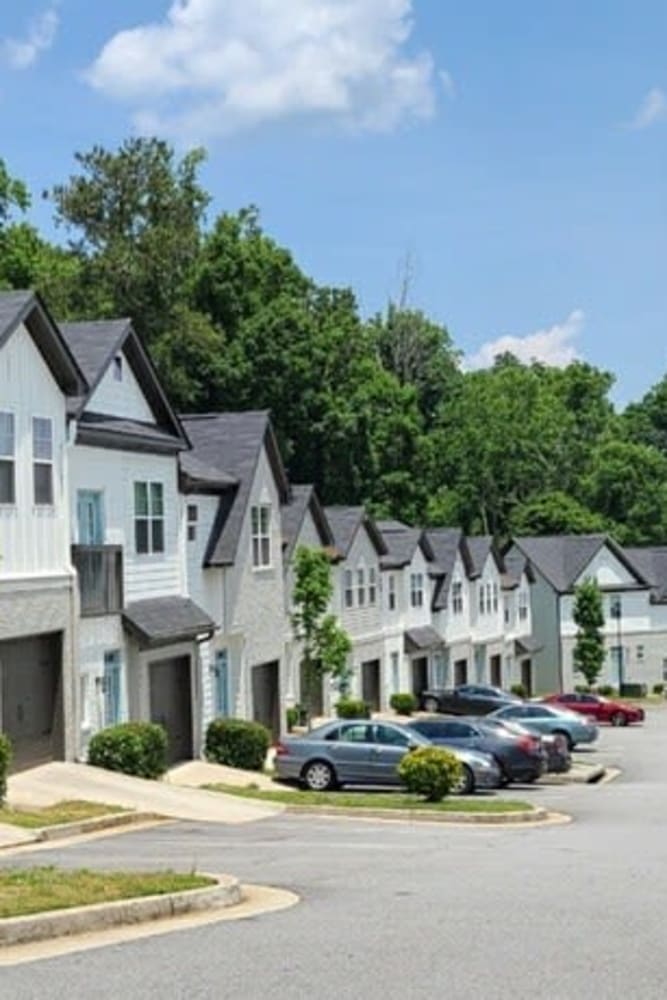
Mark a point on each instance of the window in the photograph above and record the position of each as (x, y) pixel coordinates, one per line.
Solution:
(118, 368)
(356, 733)
(372, 586)
(640, 653)
(506, 611)
(488, 598)
(615, 607)
(416, 590)
(481, 598)
(148, 517)
(192, 521)
(457, 597)
(7, 458)
(391, 737)
(260, 517)
(495, 597)
(349, 589)
(391, 592)
(361, 588)
(42, 460)
(523, 605)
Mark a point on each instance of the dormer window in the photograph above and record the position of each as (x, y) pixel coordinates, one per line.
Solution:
(118, 368)
(260, 516)
(457, 597)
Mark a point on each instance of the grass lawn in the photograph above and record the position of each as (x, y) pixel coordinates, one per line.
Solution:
(35, 890)
(374, 800)
(61, 812)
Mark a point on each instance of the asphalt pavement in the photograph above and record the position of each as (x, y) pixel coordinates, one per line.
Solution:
(407, 910)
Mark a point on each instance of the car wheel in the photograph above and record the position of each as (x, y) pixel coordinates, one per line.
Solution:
(465, 785)
(431, 705)
(318, 776)
(619, 719)
(569, 742)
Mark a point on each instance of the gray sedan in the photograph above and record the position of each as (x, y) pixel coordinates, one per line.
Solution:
(547, 719)
(357, 751)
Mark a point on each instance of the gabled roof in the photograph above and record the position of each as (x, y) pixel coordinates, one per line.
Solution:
(302, 499)
(345, 522)
(561, 559)
(480, 548)
(94, 344)
(161, 621)
(230, 443)
(28, 308)
(652, 561)
(445, 544)
(401, 542)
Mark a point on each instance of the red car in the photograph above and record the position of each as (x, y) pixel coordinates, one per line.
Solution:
(618, 713)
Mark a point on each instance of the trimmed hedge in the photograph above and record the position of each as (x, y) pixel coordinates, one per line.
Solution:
(658, 689)
(352, 708)
(237, 743)
(519, 690)
(5, 761)
(404, 703)
(136, 748)
(606, 690)
(430, 772)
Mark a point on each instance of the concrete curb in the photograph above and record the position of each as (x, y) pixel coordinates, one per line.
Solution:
(101, 916)
(536, 815)
(62, 831)
(582, 775)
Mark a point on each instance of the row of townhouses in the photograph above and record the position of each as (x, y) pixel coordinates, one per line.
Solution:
(146, 565)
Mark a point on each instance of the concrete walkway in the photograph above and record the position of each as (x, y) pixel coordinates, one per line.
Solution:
(195, 773)
(60, 781)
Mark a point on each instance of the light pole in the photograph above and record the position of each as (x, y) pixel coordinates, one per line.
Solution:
(616, 611)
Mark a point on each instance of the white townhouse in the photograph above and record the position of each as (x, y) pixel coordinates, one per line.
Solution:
(234, 488)
(634, 652)
(139, 635)
(357, 601)
(652, 561)
(38, 600)
(452, 607)
(303, 523)
(414, 650)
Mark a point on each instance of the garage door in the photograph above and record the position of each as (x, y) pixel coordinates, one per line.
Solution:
(171, 704)
(31, 698)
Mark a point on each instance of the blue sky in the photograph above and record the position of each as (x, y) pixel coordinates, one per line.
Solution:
(513, 152)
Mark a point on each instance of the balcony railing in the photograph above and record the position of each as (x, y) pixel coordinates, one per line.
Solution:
(100, 570)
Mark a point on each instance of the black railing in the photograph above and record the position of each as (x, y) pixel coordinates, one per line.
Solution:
(100, 569)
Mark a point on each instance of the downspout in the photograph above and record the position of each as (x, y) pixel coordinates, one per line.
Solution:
(560, 645)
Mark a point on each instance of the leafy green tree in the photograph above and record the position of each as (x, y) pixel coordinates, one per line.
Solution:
(588, 616)
(646, 421)
(627, 485)
(325, 646)
(13, 194)
(29, 261)
(555, 513)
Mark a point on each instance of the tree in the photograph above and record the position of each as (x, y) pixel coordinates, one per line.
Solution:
(588, 616)
(646, 421)
(325, 646)
(627, 485)
(555, 513)
(13, 194)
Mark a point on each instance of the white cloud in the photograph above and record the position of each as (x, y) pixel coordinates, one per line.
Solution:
(213, 66)
(652, 109)
(552, 347)
(20, 53)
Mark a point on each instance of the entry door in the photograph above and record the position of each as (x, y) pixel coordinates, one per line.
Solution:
(419, 675)
(171, 704)
(460, 672)
(527, 676)
(221, 675)
(266, 696)
(90, 516)
(111, 688)
(496, 672)
(370, 683)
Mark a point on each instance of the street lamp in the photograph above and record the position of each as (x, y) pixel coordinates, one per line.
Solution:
(616, 611)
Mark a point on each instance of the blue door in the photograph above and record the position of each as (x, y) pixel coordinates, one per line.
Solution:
(90, 517)
(111, 687)
(221, 675)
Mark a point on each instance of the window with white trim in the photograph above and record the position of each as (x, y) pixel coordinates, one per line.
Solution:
(416, 590)
(42, 460)
(7, 457)
(361, 587)
(260, 521)
(349, 589)
(488, 598)
(495, 597)
(148, 517)
(372, 586)
(481, 598)
(457, 597)
(192, 518)
(523, 605)
(391, 592)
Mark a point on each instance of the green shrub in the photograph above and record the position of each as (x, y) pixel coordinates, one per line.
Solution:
(606, 690)
(137, 748)
(519, 690)
(403, 703)
(292, 716)
(429, 772)
(5, 761)
(582, 689)
(237, 743)
(352, 708)
(658, 689)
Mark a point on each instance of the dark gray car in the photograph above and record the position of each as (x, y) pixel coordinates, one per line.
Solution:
(467, 699)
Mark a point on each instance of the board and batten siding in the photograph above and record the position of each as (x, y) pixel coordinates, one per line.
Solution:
(33, 539)
(203, 585)
(120, 397)
(366, 621)
(114, 474)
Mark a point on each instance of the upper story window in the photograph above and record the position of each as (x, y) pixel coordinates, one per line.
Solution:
(192, 518)
(372, 586)
(457, 597)
(615, 606)
(42, 460)
(482, 605)
(148, 517)
(349, 589)
(7, 458)
(506, 611)
(260, 520)
(523, 605)
(391, 592)
(495, 597)
(118, 368)
(361, 587)
(488, 598)
(416, 590)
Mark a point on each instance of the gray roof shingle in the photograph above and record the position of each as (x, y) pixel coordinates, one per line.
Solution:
(401, 542)
(652, 561)
(345, 522)
(421, 637)
(160, 621)
(302, 498)
(27, 307)
(561, 559)
(445, 544)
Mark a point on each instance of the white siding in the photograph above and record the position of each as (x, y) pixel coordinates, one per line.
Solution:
(204, 586)
(122, 398)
